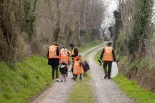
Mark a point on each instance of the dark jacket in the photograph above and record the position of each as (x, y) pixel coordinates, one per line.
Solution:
(101, 56)
(53, 61)
(75, 52)
(63, 68)
(85, 66)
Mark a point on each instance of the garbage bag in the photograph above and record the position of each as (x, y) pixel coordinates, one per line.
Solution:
(114, 70)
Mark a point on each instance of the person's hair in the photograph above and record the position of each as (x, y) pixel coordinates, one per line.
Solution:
(63, 46)
(54, 43)
(57, 44)
(109, 44)
(71, 45)
(80, 55)
(63, 63)
(85, 60)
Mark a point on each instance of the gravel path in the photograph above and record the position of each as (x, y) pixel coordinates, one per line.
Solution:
(106, 91)
(58, 93)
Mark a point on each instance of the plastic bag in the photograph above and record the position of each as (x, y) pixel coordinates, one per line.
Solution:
(114, 70)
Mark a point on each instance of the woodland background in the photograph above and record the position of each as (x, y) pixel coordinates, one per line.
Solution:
(29, 26)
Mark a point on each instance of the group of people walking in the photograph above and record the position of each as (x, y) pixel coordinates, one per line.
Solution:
(79, 66)
(62, 58)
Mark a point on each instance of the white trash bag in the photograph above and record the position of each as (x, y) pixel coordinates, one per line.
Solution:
(114, 70)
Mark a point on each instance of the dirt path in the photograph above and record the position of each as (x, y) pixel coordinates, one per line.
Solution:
(106, 91)
(58, 93)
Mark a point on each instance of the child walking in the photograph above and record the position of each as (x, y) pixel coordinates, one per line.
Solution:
(63, 70)
(86, 67)
(77, 68)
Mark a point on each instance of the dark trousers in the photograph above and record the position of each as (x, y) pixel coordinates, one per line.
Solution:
(72, 68)
(54, 68)
(109, 63)
(75, 76)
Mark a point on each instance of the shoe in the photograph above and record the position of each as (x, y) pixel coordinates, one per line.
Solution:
(57, 80)
(74, 79)
(105, 77)
(109, 78)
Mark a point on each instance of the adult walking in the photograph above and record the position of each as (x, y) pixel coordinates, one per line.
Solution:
(64, 55)
(108, 56)
(74, 54)
(53, 59)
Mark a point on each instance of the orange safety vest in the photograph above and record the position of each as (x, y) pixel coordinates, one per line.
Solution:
(108, 56)
(64, 56)
(73, 54)
(53, 52)
(77, 69)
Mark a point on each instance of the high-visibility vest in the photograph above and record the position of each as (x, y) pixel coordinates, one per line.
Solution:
(77, 69)
(53, 52)
(64, 56)
(73, 54)
(108, 56)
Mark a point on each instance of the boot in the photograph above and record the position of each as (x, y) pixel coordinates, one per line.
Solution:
(105, 76)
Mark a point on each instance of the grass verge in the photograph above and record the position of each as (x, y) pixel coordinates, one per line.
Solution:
(130, 88)
(89, 45)
(18, 84)
(82, 92)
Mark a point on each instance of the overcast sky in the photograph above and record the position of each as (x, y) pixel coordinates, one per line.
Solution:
(111, 5)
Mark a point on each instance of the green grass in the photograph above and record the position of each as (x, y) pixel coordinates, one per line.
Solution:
(18, 84)
(129, 87)
(82, 92)
(26, 79)
(89, 45)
